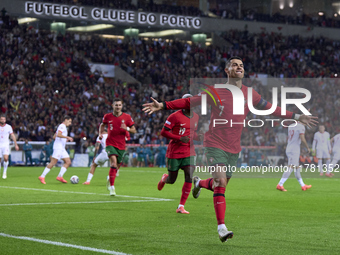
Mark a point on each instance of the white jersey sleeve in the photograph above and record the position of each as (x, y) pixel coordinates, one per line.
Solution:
(294, 140)
(102, 141)
(60, 143)
(5, 131)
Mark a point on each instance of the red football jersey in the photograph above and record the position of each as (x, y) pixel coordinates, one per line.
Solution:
(225, 137)
(116, 135)
(181, 125)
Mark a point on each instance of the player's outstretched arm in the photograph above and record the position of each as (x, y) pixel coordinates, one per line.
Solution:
(183, 103)
(152, 107)
(308, 120)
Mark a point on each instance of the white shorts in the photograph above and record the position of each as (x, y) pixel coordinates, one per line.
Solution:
(101, 158)
(293, 158)
(60, 154)
(4, 151)
(322, 153)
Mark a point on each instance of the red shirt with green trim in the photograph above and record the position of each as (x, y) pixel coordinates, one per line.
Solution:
(226, 137)
(181, 125)
(116, 135)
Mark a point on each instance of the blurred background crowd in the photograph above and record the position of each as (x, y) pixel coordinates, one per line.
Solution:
(45, 75)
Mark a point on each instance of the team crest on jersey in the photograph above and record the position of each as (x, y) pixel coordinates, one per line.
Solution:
(195, 124)
(211, 159)
(2, 130)
(123, 121)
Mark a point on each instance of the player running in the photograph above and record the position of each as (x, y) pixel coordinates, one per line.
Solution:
(59, 151)
(100, 159)
(181, 150)
(322, 145)
(223, 142)
(296, 135)
(336, 152)
(5, 131)
(117, 124)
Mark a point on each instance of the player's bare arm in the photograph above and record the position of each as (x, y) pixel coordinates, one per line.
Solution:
(15, 142)
(69, 138)
(101, 130)
(152, 107)
(303, 140)
(308, 120)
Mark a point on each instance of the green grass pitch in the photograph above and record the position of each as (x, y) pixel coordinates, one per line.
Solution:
(142, 220)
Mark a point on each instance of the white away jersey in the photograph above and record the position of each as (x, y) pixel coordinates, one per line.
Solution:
(60, 143)
(336, 144)
(294, 139)
(5, 131)
(102, 141)
(321, 141)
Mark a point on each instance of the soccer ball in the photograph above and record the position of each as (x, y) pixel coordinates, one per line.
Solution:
(74, 179)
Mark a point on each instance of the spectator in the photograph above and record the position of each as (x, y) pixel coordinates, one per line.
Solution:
(27, 148)
(90, 151)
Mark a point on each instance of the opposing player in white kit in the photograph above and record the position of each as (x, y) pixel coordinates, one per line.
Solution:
(336, 153)
(5, 131)
(59, 151)
(101, 159)
(322, 144)
(296, 135)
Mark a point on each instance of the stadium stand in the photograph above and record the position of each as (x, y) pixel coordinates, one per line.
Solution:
(44, 78)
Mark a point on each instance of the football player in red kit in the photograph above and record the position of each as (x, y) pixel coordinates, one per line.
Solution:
(181, 151)
(117, 123)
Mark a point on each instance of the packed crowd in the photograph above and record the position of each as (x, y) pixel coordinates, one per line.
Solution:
(249, 14)
(45, 76)
(299, 19)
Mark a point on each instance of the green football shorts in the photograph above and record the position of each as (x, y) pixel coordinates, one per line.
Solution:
(221, 157)
(114, 151)
(174, 164)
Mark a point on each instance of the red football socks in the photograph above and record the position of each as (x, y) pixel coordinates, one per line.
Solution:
(207, 184)
(219, 204)
(185, 192)
(112, 175)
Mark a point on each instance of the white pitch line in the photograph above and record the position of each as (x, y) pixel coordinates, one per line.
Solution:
(86, 202)
(84, 193)
(84, 248)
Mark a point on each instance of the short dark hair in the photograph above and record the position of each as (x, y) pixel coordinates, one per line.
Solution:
(2, 115)
(227, 64)
(67, 117)
(117, 100)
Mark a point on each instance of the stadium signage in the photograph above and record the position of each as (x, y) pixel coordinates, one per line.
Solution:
(239, 101)
(111, 15)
